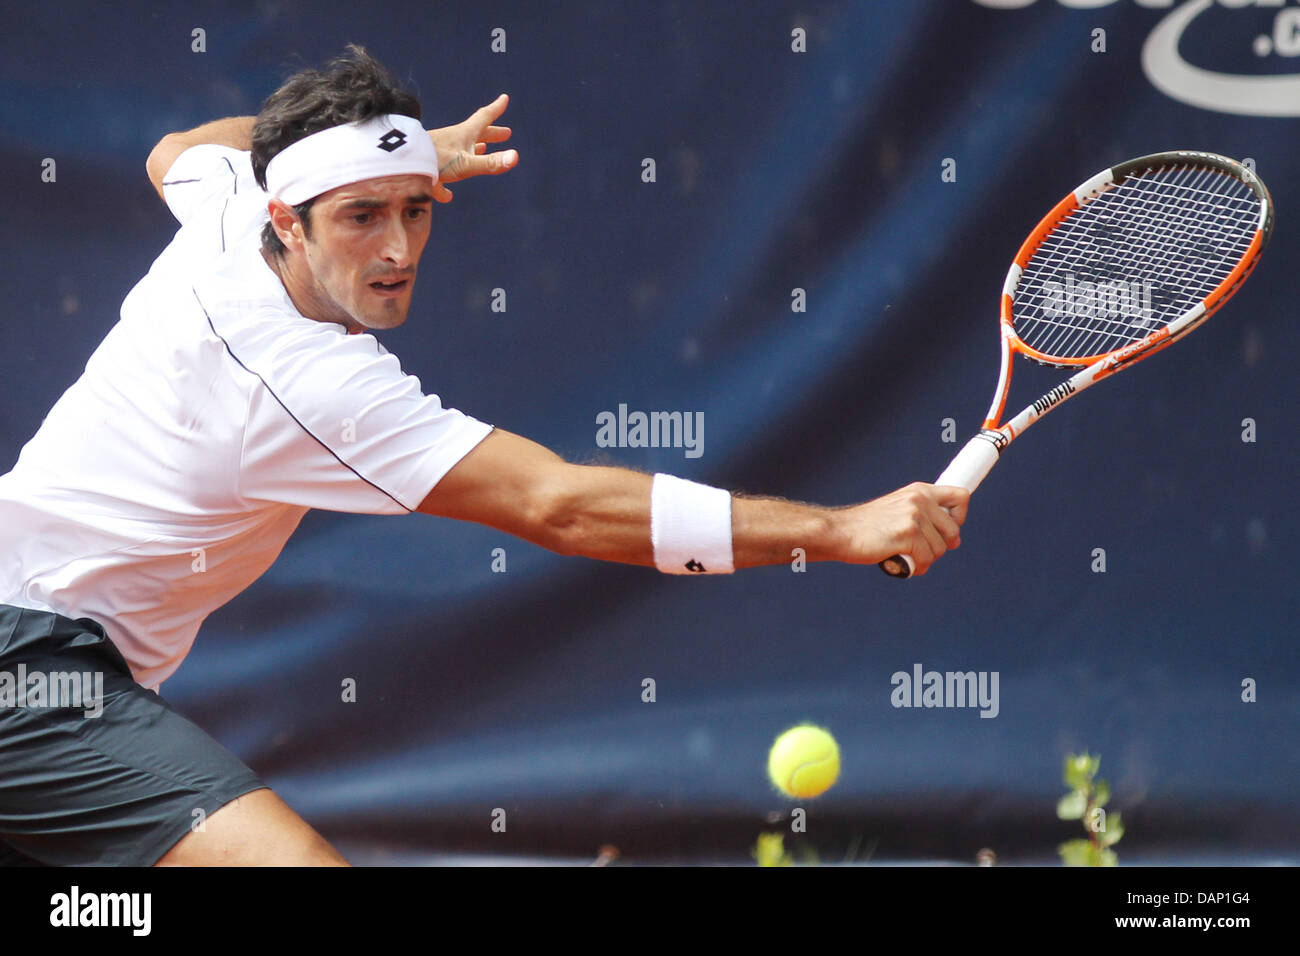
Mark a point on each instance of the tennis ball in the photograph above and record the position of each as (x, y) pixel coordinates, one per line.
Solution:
(804, 761)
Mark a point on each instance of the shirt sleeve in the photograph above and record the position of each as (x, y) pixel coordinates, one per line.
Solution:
(336, 424)
(204, 175)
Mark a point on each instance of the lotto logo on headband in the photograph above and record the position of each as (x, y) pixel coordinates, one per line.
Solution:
(392, 140)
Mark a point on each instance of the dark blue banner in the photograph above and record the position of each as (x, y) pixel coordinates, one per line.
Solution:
(788, 226)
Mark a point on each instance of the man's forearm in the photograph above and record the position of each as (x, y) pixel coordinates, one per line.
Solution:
(767, 530)
(524, 488)
(607, 516)
(235, 132)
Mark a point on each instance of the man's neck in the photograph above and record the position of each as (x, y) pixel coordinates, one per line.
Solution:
(299, 297)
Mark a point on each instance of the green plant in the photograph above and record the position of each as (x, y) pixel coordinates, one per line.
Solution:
(770, 851)
(1086, 802)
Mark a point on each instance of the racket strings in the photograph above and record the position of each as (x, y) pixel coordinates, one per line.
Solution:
(1087, 324)
(1145, 220)
(1163, 242)
(1133, 259)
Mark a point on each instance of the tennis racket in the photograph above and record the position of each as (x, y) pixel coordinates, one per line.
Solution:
(1122, 267)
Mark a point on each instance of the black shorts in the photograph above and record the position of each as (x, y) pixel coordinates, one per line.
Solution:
(97, 771)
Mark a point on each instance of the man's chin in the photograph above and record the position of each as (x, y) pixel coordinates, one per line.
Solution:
(376, 323)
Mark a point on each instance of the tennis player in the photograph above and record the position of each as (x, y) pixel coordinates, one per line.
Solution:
(243, 386)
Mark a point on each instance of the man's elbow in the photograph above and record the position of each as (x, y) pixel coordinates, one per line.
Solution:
(161, 158)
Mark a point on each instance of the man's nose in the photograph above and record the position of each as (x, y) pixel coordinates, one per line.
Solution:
(397, 244)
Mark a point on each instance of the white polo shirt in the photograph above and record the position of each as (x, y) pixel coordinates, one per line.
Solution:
(207, 422)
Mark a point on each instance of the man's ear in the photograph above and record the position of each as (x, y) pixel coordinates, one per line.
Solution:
(286, 223)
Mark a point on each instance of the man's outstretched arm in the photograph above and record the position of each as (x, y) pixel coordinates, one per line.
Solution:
(518, 486)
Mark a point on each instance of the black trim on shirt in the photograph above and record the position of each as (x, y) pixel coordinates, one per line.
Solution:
(234, 192)
(286, 407)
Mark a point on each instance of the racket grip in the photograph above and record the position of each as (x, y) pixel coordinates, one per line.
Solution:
(967, 470)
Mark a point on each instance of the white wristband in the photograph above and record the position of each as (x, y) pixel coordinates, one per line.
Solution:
(690, 527)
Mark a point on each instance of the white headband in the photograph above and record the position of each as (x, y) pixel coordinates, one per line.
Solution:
(380, 146)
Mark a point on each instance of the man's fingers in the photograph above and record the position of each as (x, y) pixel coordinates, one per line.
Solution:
(935, 539)
(955, 499)
(486, 114)
(945, 522)
(441, 193)
(493, 164)
(465, 166)
(936, 516)
(487, 164)
(922, 555)
(495, 134)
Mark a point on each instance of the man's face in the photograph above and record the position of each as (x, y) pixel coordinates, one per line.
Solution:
(366, 241)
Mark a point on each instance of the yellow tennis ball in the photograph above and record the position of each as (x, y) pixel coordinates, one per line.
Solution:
(804, 762)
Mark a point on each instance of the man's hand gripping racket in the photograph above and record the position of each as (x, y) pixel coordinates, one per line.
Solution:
(1125, 265)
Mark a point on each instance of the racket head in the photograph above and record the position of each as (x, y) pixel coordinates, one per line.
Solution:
(1142, 252)
(1161, 242)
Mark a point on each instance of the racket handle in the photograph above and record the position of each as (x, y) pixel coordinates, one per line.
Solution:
(967, 470)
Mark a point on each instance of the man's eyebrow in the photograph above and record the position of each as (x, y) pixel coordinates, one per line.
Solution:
(418, 199)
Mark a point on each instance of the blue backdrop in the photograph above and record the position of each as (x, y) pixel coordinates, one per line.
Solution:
(776, 170)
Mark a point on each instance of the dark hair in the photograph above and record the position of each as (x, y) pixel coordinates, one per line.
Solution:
(353, 87)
